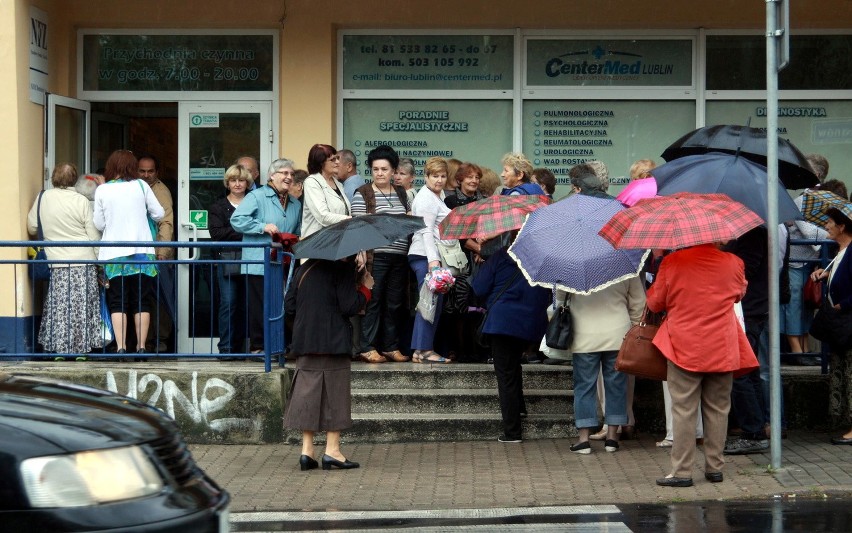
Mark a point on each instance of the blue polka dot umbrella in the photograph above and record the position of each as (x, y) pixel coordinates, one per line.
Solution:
(558, 247)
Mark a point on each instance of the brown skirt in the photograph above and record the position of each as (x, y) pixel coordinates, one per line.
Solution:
(321, 394)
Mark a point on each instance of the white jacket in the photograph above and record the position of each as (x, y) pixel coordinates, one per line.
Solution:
(322, 206)
(121, 212)
(432, 208)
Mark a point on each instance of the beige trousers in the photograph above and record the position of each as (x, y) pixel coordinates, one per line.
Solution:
(712, 392)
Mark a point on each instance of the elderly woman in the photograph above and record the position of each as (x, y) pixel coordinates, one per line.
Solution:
(70, 322)
(509, 296)
(380, 325)
(704, 345)
(404, 177)
(839, 279)
(321, 298)
(641, 169)
(324, 201)
(517, 176)
(231, 283)
(423, 256)
(264, 212)
(124, 209)
(545, 179)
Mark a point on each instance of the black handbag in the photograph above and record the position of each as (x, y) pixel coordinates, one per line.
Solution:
(230, 269)
(560, 329)
(833, 326)
(39, 269)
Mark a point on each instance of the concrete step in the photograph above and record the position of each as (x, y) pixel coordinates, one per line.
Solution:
(420, 427)
(469, 401)
(453, 376)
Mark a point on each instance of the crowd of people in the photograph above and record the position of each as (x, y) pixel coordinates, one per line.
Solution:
(365, 308)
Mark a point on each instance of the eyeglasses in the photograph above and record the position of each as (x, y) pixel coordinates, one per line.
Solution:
(334, 158)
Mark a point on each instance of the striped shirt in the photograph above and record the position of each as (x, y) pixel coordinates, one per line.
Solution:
(385, 204)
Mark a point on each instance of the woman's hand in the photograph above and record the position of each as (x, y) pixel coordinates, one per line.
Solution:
(367, 280)
(361, 260)
(819, 274)
(837, 306)
(434, 264)
(271, 229)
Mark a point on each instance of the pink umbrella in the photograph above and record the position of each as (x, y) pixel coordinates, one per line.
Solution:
(637, 190)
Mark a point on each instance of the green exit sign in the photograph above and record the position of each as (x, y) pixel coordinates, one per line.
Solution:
(198, 217)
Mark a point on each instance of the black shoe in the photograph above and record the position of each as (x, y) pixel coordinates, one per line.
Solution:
(675, 482)
(841, 440)
(306, 462)
(505, 438)
(714, 477)
(346, 464)
(140, 359)
(582, 447)
(611, 445)
(741, 446)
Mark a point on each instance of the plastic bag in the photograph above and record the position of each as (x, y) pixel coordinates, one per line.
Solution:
(107, 335)
(428, 302)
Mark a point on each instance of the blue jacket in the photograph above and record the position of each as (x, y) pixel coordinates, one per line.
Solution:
(259, 208)
(521, 310)
(524, 188)
(841, 283)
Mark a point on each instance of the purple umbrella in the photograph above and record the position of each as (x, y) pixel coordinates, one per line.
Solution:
(559, 247)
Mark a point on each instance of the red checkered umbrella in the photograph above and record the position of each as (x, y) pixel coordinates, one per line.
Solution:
(679, 221)
(490, 216)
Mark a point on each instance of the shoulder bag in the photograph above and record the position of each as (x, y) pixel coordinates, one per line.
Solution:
(452, 257)
(39, 268)
(482, 338)
(638, 355)
(560, 329)
(832, 326)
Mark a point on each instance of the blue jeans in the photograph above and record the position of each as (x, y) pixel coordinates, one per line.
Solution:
(423, 336)
(232, 331)
(586, 367)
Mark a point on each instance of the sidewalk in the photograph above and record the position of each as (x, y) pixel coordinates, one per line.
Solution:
(536, 473)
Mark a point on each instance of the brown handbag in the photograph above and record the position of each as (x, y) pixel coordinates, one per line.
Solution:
(638, 355)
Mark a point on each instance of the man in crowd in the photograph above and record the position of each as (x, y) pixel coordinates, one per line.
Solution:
(159, 333)
(348, 173)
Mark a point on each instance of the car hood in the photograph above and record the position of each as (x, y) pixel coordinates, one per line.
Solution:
(43, 417)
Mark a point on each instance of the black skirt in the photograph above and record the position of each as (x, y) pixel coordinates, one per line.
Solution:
(321, 394)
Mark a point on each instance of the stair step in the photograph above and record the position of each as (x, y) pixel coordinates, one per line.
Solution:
(454, 376)
(426, 427)
(471, 401)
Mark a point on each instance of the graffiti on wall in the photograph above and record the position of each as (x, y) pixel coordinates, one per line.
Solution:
(166, 395)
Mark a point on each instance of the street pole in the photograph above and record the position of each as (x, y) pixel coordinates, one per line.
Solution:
(773, 36)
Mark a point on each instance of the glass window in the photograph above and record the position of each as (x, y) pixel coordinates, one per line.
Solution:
(559, 134)
(820, 126)
(817, 62)
(479, 131)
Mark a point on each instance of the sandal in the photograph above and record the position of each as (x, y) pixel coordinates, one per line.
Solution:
(430, 356)
(665, 443)
(417, 357)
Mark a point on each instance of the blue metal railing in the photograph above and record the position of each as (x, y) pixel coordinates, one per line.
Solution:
(202, 279)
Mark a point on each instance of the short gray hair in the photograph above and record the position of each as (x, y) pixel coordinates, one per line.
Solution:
(600, 170)
(280, 164)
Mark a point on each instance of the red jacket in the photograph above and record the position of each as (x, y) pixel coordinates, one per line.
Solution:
(698, 288)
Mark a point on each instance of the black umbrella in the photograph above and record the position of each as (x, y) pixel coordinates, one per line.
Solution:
(350, 236)
(741, 179)
(793, 169)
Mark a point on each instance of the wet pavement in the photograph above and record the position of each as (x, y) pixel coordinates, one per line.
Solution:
(536, 483)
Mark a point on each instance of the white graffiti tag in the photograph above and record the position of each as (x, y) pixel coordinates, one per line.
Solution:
(214, 397)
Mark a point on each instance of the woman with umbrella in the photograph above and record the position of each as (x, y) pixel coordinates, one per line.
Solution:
(509, 297)
(321, 298)
(423, 256)
(701, 337)
(263, 213)
(380, 324)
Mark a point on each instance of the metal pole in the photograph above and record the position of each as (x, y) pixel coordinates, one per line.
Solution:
(772, 227)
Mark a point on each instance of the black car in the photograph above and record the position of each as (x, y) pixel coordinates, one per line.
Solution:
(75, 458)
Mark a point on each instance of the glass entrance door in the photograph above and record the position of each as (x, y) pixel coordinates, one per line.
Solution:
(212, 135)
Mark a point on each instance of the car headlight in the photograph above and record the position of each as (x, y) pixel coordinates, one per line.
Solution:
(90, 477)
